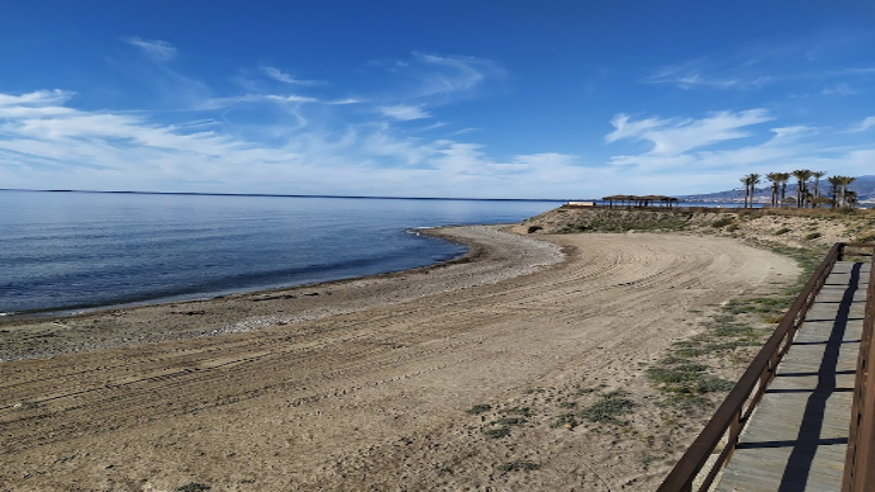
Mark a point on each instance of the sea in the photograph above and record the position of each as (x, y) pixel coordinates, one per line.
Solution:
(63, 252)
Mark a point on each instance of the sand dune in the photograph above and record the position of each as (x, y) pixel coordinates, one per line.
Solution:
(365, 386)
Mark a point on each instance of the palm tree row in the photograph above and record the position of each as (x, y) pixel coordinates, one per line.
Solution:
(842, 196)
(806, 196)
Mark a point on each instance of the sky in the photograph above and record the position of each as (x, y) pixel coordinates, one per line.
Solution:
(479, 99)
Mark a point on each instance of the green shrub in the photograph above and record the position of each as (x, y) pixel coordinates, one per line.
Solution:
(722, 222)
(193, 487)
(497, 433)
(510, 421)
(713, 384)
(611, 406)
(524, 411)
(478, 409)
(518, 466)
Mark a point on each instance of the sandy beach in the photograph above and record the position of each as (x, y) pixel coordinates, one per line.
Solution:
(370, 384)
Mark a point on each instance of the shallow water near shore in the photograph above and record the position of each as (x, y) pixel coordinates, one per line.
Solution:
(69, 251)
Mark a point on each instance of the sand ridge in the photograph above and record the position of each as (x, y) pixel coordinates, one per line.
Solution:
(374, 398)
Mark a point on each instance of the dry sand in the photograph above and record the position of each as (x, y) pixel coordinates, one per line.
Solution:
(365, 386)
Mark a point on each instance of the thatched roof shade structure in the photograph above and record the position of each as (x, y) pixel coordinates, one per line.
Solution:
(618, 198)
(640, 201)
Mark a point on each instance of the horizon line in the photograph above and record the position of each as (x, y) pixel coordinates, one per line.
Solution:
(282, 195)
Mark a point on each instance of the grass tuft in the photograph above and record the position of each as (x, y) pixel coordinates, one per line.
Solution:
(193, 487)
(497, 433)
(478, 409)
(513, 466)
(612, 405)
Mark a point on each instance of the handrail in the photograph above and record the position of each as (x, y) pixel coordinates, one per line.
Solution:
(735, 411)
(859, 473)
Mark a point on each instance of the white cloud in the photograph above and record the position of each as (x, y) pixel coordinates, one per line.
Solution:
(402, 112)
(64, 147)
(281, 76)
(702, 73)
(676, 136)
(438, 79)
(867, 123)
(37, 98)
(291, 98)
(841, 89)
(345, 101)
(155, 49)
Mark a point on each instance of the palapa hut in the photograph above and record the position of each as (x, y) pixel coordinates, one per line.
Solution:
(640, 201)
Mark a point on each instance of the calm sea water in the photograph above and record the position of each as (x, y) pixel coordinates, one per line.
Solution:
(70, 251)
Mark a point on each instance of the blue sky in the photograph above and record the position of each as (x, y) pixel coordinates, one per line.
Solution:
(489, 99)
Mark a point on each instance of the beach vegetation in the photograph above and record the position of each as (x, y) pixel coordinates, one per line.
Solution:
(509, 421)
(522, 411)
(567, 420)
(496, 432)
(723, 222)
(478, 409)
(687, 402)
(193, 487)
(613, 405)
(513, 466)
(648, 460)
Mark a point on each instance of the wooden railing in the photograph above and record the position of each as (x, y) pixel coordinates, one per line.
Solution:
(735, 411)
(860, 461)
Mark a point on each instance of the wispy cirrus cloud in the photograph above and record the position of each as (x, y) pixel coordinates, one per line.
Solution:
(804, 63)
(867, 123)
(155, 49)
(434, 79)
(840, 89)
(403, 112)
(702, 74)
(34, 104)
(280, 76)
(675, 136)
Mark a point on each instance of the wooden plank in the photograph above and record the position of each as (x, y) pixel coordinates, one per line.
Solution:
(797, 437)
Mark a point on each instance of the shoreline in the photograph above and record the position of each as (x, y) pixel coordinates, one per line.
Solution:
(84, 309)
(493, 254)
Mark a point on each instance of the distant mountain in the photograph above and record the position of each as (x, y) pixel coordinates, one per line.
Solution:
(864, 186)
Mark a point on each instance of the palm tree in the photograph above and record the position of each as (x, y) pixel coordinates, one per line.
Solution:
(754, 181)
(784, 177)
(846, 181)
(851, 198)
(750, 182)
(802, 176)
(775, 178)
(836, 182)
(817, 175)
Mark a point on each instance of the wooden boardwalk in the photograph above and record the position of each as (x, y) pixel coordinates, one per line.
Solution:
(796, 439)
